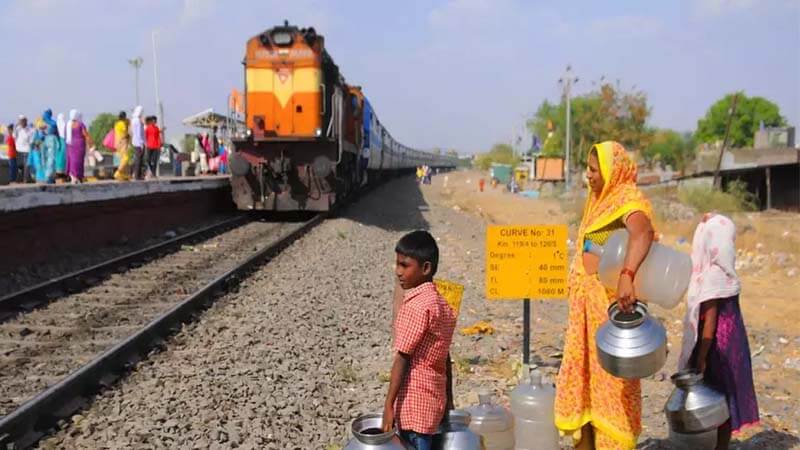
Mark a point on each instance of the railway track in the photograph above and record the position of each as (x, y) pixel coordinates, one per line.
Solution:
(57, 354)
(28, 299)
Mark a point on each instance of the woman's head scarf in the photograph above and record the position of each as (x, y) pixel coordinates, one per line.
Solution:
(52, 126)
(62, 125)
(74, 117)
(619, 196)
(713, 274)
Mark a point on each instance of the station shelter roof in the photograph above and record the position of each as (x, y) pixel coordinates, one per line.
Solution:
(210, 119)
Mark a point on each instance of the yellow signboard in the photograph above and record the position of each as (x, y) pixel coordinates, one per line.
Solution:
(526, 261)
(452, 293)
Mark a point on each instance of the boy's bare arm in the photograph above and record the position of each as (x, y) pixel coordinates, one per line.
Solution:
(399, 367)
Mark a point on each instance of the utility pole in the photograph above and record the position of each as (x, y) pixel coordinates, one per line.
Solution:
(566, 82)
(136, 63)
(159, 107)
(731, 112)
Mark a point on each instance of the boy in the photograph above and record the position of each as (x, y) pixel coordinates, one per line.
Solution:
(420, 386)
(153, 143)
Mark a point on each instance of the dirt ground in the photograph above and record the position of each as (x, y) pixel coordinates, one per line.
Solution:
(769, 256)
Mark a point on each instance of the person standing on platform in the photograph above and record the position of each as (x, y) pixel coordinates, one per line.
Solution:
(153, 141)
(23, 136)
(35, 158)
(12, 154)
(50, 146)
(223, 158)
(77, 139)
(122, 142)
(137, 141)
(61, 148)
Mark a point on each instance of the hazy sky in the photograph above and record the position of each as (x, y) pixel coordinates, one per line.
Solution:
(448, 73)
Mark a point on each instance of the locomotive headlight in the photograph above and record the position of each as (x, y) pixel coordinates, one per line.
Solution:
(249, 132)
(282, 38)
(318, 132)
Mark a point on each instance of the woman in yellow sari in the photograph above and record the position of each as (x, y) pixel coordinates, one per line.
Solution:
(599, 410)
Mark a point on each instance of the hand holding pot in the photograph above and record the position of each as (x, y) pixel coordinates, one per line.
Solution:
(388, 418)
(626, 296)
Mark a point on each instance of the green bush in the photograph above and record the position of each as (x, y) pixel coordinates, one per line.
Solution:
(500, 154)
(735, 198)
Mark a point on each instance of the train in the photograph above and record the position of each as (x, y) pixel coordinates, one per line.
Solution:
(311, 140)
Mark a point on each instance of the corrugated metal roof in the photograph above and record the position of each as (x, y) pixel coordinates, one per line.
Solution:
(747, 158)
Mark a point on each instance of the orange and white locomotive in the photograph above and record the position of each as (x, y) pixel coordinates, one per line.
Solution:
(312, 139)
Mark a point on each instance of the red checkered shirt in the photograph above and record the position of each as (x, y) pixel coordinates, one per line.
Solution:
(423, 330)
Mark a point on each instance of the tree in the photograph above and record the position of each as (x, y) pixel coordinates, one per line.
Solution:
(500, 154)
(670, 148)
(100, 126)
(608, 113)
(188, 142)
(452, 152)
(750, 112)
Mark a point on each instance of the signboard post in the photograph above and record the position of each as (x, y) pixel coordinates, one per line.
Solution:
(524, 262)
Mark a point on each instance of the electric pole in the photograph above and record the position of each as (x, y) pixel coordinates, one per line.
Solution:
(136, 63)
(566, 82)
(731, 112)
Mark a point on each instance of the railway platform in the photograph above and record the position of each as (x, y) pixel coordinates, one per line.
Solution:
(40, 221)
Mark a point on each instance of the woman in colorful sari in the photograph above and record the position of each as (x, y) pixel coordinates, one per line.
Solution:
(50, 146)
(61, 149)
(121, 142)
(77, 140)
(35, 160)
(599, 410)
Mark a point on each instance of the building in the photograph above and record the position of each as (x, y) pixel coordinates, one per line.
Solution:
(771, 174)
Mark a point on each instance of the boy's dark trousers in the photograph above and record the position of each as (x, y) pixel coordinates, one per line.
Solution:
(22, 163)
(138, 170)
(152, 159)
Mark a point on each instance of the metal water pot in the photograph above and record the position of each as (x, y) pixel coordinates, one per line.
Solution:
(704, 440)
(368, 435)
(694, 407)
(631, 345)
(454, 433)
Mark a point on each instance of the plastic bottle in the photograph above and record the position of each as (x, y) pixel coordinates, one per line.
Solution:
(662, 277)
(493, 423)
(532, 404)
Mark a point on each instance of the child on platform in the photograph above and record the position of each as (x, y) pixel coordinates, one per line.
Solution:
(714, 337)
(420, 386)
(153, 144)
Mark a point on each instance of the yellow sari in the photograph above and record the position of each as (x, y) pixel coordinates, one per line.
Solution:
(585, 393)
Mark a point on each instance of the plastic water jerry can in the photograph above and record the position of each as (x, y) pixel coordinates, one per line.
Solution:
(493, 423)
(532, 404)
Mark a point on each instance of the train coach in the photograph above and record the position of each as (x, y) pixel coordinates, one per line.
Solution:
(311, 139)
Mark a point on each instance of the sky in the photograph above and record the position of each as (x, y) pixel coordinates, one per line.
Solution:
(460, 74)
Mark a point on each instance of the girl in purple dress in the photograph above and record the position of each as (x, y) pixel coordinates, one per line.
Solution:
(77, 139)
(714, 337)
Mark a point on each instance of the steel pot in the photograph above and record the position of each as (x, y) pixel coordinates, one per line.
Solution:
(367, 435)
(694, 407)
(631, 345)
(454, 433)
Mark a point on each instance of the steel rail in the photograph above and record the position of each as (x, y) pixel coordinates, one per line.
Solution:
(37, 417)
(41, 294)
